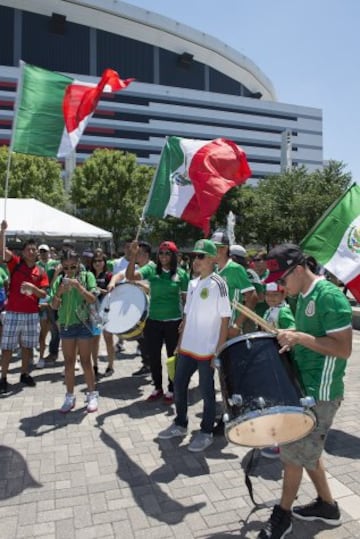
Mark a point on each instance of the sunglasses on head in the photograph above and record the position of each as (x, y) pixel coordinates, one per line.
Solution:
(200, 256)
(72, 267)
(168, 253)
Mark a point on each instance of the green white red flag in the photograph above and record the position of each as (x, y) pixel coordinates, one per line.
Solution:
(52, 110)
(335, 240)
(193, 176)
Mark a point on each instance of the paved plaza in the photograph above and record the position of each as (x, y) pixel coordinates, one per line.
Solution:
(107, 475)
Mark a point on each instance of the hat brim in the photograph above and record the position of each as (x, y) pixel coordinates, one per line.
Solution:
(202, 252)
(275, 276)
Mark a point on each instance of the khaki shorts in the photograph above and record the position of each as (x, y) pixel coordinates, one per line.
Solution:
(307, 451)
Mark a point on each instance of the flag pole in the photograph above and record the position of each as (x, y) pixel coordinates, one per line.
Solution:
(142, 218)
(10, 151)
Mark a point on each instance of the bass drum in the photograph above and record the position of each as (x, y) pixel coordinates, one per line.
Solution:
(263, 404)
(124, 311)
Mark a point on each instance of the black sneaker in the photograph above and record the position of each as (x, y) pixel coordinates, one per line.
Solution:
(319, 510)
(142, 371)
(278, 525)
(3, 386)
(27, 380)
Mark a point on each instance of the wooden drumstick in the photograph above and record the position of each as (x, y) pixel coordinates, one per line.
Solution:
(253, 316)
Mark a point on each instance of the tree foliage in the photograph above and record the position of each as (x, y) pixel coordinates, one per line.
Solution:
(32, 177)
(110, 190)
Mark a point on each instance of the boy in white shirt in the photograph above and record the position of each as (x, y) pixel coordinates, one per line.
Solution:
(207, 312)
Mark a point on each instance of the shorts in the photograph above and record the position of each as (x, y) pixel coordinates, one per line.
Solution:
(307, 451)
(20, 328)
(76, 331)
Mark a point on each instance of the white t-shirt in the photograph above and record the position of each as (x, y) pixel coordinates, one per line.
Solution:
(207, 302)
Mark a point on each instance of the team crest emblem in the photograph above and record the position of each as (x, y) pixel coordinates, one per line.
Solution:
(310, 309)
(353, 239)
(204, 293)
(181, 179)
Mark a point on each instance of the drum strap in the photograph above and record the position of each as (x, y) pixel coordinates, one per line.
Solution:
(252, 461)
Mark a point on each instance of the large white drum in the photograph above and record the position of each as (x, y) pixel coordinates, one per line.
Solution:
(124, 311)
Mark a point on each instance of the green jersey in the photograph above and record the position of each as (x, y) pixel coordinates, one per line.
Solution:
(237, 279)
(165, 292)
(280, 317)
(321, 311)
(4, 276)
(49, 267)
(73, 308)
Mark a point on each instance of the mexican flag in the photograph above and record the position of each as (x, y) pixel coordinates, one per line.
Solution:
(193, 176)
(335, 240)
(52, 110)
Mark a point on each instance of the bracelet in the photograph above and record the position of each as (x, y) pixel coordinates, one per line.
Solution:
(235, 326)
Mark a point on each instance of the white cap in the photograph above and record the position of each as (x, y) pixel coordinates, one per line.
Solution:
(238, 250)
(44, 247)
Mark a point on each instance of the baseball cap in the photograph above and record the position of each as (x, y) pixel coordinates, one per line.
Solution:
(274, 287)
(87, 254)
(282, 258)
(206, 247)
(168, 246)
(220, 237)
(238, 250)
(44, 247)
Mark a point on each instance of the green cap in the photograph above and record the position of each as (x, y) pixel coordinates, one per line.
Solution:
(207, 247)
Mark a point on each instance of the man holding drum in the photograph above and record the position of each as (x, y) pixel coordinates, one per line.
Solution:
(321, 342)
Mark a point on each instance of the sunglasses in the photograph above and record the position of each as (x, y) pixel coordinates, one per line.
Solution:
(200, 256)
(257, 259)
(167, 253)
(73, 267)
(282, 281)
(98, 260)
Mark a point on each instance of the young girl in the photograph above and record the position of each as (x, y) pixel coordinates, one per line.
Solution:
(70, 295)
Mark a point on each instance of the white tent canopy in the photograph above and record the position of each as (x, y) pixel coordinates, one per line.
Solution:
(32, 218)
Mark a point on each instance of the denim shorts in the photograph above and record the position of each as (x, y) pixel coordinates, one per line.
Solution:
(76, 331)
(307, 451)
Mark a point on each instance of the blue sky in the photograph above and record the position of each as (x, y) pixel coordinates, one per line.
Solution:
(308, 49)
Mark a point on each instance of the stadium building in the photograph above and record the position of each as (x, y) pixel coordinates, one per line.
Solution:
(187, 83)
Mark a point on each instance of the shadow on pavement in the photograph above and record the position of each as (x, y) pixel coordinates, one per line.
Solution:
(148, 495)
(342, 444)
(14, 474)
(46, 422)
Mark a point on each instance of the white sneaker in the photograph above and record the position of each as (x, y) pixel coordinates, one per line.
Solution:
(41, 363)
(69, 403)
(92, 401)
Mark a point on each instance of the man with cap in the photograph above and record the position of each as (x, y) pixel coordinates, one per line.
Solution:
(321, 344)
(240, 288)
(206, 318)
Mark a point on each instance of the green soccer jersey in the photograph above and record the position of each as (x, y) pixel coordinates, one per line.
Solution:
(165, 292)
(73, 308)
(237, 280)
(322, 310)
(49, 267)
(280, 317)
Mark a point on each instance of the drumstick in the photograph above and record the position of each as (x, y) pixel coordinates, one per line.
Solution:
(253, 316)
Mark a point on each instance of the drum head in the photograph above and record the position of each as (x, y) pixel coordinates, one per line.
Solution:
(273, 426)
(127, 306)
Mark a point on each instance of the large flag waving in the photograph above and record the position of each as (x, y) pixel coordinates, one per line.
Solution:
(193, 176)
(52, 110)
(335, 240)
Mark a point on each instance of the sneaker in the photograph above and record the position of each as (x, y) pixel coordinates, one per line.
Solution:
(69, 403)
(92, 401)
(278, 526)
(120, 347)
(27, 380)
(319, 510)
(96, 372)
(142, 371)
(41, 363)
(168, 397)
(155, 395)
(173, 431)
(109, 371)
(200, 442)
(77, 365)
(270, 452)
(3, 385)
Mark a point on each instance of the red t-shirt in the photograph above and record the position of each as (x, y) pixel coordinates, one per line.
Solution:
(19, 272)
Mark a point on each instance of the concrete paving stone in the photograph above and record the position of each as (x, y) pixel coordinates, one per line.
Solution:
(55, 514)
(110, 516)
(137, 518)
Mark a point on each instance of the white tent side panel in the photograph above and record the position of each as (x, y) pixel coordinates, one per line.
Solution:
(30, 217)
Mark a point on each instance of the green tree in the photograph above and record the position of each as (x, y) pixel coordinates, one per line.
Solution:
(110, 190)
(33, 177)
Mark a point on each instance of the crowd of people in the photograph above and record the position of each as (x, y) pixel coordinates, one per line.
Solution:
(193, 312)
